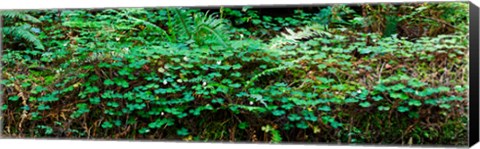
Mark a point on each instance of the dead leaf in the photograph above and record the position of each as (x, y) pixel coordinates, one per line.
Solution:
(388, 66)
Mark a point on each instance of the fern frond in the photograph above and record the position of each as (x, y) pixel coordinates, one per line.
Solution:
(216, 34)
(271, 71)
(181, 17)
(201, 27)
(276, 137)
(146, 23)
(265, 73)
(24, 33)
(292, 38)
(307, 32)
(19, 14)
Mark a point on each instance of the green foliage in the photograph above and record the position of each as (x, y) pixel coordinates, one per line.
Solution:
(275, 134)
(21, 30)
(182, 132)
(183, 73)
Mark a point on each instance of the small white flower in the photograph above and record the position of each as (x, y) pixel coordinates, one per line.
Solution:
(165, 82)
(204, 83)
(162, 113)
(185, 58)
(359, 91)
(179, 80)
(336, 92)
(251, 102)
(117, 38)
(219, 62)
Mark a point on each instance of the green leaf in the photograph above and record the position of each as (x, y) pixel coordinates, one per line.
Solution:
(42, 107)
(445, 106)
(351, 100)
(325, 108)
(182, 131)
(113, 104)
(278, 112)
(243, 125)
(236, 85)
(335, 124)
(288, 106)
(365, 104)
(380, 88)
(383, 108)
(25, 84)
(95, 100)
(415, 83)
(397, 87)
(414, 103)
(321, 66)
(144, 130)
(402, 96)
(267, 128)
(377, 98)
(402, 109)
(108, 82)
(13, 98)
(459, 88)
(294, 117)
(443, 89)
(218, 100)
(311, 117)
(107, 125)
(302, 125)
(237, 66)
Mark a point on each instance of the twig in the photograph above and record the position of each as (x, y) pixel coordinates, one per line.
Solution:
(380, 73)
(24, 103)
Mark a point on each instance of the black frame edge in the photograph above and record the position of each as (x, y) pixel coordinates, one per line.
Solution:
(473, 122)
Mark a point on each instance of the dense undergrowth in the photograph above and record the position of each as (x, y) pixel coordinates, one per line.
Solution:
(389, 74)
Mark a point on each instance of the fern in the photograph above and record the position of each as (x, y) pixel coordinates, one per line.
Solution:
(23, 31)
(183, 22)
(201, 27)
(276, 137)
(293, 38)
(271, 71)
(265, 73)
(20, 15)
(216, 35)
(312, 31)
(126, 13)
